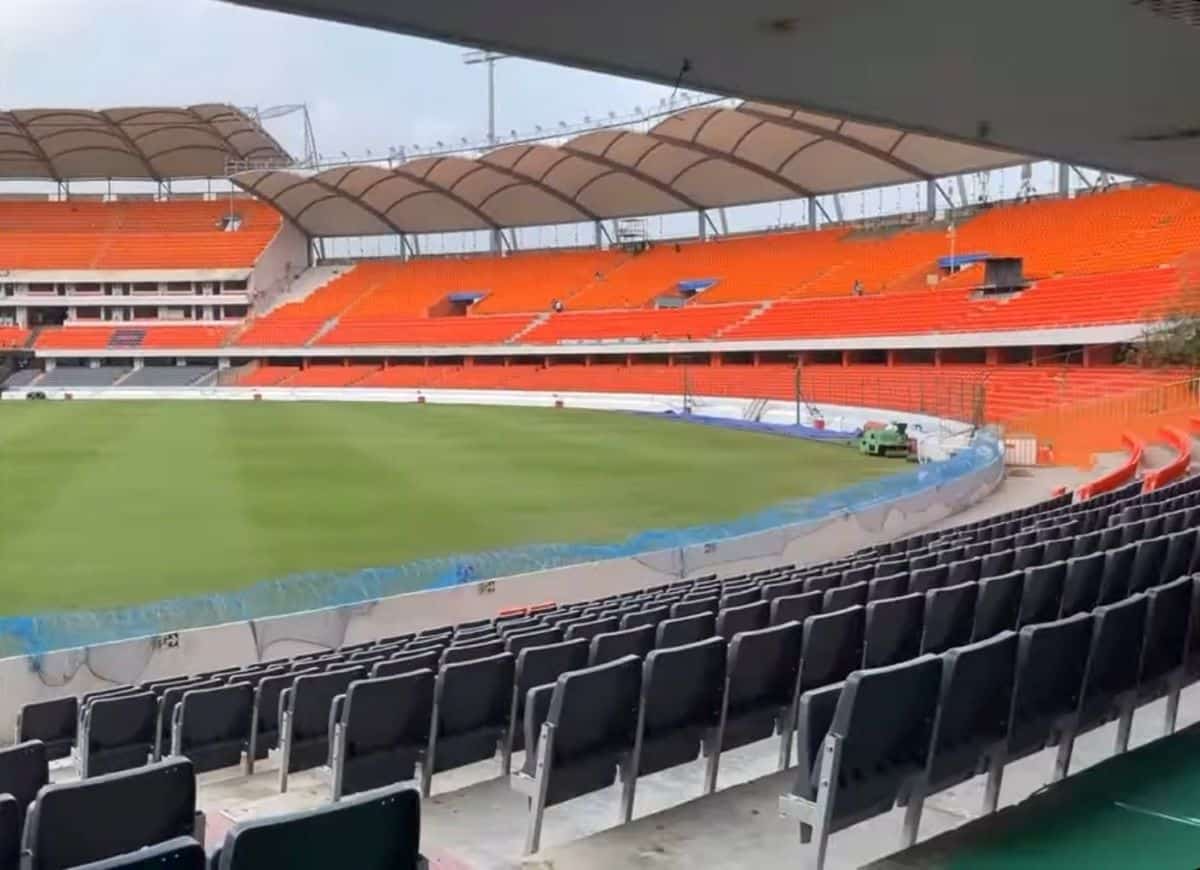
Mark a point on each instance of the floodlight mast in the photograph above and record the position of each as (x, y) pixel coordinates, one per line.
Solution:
(472, 58)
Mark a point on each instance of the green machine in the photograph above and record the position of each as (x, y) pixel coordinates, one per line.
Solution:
(891, 440)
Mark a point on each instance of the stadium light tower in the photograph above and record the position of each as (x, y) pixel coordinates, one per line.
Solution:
(471, 58)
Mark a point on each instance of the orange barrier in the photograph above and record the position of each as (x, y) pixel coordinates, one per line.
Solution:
(1119, 476)
(1177, 467)
(1074, 432)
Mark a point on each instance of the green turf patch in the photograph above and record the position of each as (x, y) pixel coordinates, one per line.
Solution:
(112, 503)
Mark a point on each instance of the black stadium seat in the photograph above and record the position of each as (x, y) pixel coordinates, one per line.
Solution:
(304, 720)
(537, 666)
(55, 723)
(682, 690)
(1170, 624)
(110, 815)
(1148, 562)
(997, 604)
(211, 726)
(24, 769)
(182, 853)
(1041, 593)
(1110, 680)
(118, 733)
(589, 628)
(379, 830)
(949, 617)
(893, 630)
(747, 617)
(514, 643)
(613, 645)
(264, 721)
(166, 710)
(685, 629)
(584, 733)
(890, 586)
(380, 732)
(878, 746)
(405, 664)
(471, 705)
(1051, 658)
(1081, 586)
(924, 579)
(10, 832)
(975, 700)
(842, 597)
(646, 616)
(796, 608)
(691, 607)
(467, 652)
(1114, 579)
(760, 682)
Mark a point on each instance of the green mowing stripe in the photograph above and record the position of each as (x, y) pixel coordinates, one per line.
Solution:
(114, 503)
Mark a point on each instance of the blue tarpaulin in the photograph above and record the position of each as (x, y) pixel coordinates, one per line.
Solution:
(959, 261)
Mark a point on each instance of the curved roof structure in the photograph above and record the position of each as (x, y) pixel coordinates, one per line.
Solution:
(704, 157)
(150, 143)
(1094, 82)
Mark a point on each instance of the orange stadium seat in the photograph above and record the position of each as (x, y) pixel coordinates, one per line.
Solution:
(133, 234)
(494, 329)
(638, 324)
(13, 336)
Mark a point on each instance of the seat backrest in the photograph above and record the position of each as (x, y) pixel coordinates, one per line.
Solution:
(693, 606)
(739, 598)
(857, 574)
(1027, 556)
(685, 629)
(963, 571)
(1114, 579)
(378, 830)
(885, 718)
(474, 694)
(949, 617)
(405, 664)
(975, 700)
(1081, 586)
(470, 651)
(771, 591)
(220, 715)
(541, 665)
(682, 687)
(924, 579)
(24, 769)
(841, 597)
(831, 646)
(1086, 545)
(613, 645)
(995, 564)
(1114, 661)
(181, 853)
(1181, 548)
(888, 586)
(1148, 562)
(53, 722)
(105, 816)
(1041, 593)
(646, 616)
(312, 696)
(796, 608)
(748, 617)
(997, 604)
(514, 643)
(1058, 550)
(388, 711)
(762, 667)
(596, 708)
(589, 628)
(10, 832)
(1051, 658)
(893, 630)
(1167, 623)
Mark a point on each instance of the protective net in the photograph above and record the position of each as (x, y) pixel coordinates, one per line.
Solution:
(683, 550)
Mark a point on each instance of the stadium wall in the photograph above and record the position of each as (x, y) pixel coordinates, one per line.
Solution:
(820, 528)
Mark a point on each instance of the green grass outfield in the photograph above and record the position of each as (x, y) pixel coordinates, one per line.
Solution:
(109, 503)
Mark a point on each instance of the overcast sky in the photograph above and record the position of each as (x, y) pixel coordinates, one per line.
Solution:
(364, 88)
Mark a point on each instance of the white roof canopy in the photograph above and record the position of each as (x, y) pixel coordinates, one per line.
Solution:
(145, 143)
(704, 157)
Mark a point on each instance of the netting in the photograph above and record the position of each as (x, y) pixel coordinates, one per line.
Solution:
(63, 630)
